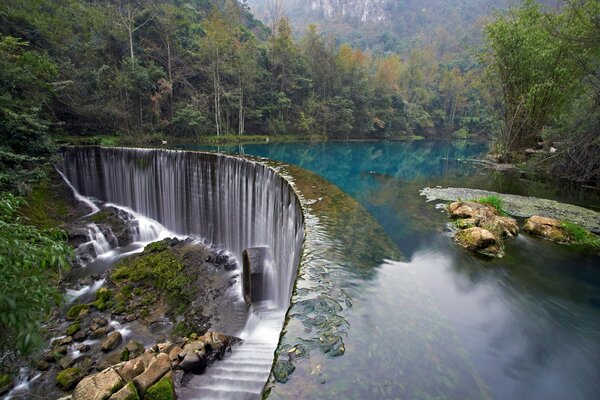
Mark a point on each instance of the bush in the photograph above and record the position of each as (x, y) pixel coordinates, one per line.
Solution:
(30, 261)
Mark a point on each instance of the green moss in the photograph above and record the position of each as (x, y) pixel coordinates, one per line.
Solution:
(6, 382)
(100, 305)
(132, 393)
(158, 267)
(73, 328)
(68, 378)
(579, 235)
(495, 202)
(76, 310)
(161, 390)
(103, 294)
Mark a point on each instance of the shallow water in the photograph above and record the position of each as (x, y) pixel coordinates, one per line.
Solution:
(529, 324)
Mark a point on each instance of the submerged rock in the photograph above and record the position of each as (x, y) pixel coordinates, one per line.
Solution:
(481, 241)
(548, 228)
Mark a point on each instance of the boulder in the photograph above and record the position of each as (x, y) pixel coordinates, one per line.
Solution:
(68, 378)
(99, 386)
(112, 340)
(97, 323)
(193, 357)
(164, 389)
(134, 349)
(128, 392)
(132, 369)
(174, 353)
(152, 374)
(470, 209)
(505, 227)
(547, 228)
(66, 362)
(481, 241)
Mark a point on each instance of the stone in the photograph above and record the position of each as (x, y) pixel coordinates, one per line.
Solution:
(174, 353)
(68, 378)
(112, 340)
(83, 348)
(193, 357)
(80, 336)
(481, 241)
(97, 323)
(504, 226)
(127, 392)
(98, 333)
(148, 358)
(132, 369)
(66, 362)
(6, 383)
(164, 389)
(108, 362)
(67, 340)
(135, 349)
(152, 374)
(99, 386)
(548, 228)
(42, 365)
(165, 347)
(470, 209)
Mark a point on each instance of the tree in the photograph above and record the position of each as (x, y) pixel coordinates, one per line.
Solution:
(532, 72)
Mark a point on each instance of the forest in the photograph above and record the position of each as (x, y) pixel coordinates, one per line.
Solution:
(146, 70)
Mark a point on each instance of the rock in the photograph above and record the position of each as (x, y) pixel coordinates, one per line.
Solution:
(282, 370)
(548, 228)
(98, 333)
(174, 353)
(216, 345)
(165, 347)
(99, 386)
(80, 336)
(66, 362)
(108, 362)
(97, 323)
(112, 341)
(134, 349)
(68, 378)
(42, 365)
(148, 358)
(480, 240)
(83, 348)
(85, 364)
(128, 392)
(505, 227)
(6, 383)
(164, 389)
(73, 329)
(132, 369)
(67, 340)
(152, 374)
(470, 209)
(193, 357)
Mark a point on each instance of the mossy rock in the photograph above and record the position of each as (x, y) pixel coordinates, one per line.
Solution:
(282, 370)
(76, 310)
(103, 294)
(73, 328)
(162, 390)
(68, 378)
(128, 392)
(6, 383)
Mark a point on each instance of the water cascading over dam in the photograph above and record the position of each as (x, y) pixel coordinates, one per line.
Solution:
(233, 204)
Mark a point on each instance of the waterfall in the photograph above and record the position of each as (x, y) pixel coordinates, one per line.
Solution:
(231, 203)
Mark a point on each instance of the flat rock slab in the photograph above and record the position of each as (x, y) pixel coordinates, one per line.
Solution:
(522, 206)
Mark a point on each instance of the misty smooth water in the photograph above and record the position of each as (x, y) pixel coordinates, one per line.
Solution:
(528, 324)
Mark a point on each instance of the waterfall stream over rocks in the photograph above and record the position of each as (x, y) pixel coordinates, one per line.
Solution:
(229, 202)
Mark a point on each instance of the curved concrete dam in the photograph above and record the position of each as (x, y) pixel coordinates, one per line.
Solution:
(323, 343)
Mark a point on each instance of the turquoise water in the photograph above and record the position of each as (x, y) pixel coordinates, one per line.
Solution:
(529, 323)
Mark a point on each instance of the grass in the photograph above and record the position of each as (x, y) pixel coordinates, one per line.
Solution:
(580, 235)
(495, 202)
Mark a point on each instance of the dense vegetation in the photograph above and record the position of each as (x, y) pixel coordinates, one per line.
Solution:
(208, 67)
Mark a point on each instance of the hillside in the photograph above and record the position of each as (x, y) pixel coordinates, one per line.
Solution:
(388, 25)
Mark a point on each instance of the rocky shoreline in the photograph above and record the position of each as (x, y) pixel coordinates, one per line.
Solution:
(522, 206)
